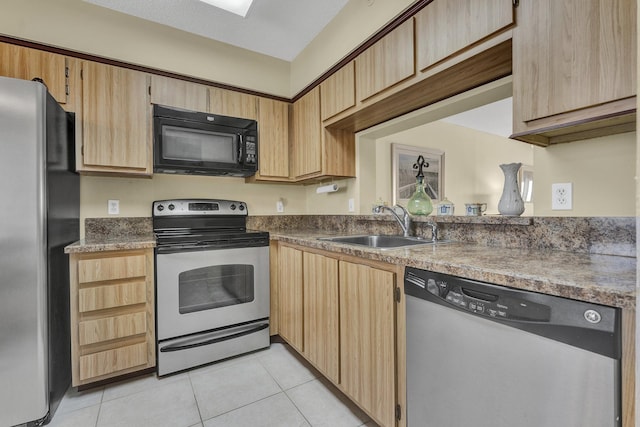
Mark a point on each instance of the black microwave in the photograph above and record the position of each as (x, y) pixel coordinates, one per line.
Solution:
(191, 142)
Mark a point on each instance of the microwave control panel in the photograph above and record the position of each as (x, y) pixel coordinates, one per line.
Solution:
(250, 150)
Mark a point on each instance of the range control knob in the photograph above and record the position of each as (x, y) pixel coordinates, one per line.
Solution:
(241, 207)
(160, 208)
(233, 207)
(171, 207)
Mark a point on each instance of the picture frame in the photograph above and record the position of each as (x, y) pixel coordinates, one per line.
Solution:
(403, 185)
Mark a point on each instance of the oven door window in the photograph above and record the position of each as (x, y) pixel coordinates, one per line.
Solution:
(185, 144)
(216, 286)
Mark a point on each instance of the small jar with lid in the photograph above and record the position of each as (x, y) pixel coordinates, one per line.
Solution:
(445, 208)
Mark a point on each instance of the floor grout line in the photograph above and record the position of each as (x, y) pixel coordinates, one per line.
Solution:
(193, 390)
(276, 360)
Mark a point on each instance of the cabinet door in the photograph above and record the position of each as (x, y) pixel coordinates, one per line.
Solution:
(273, 131)
(387, 62)
(367, 339)
(338, 92)
(234, 104)
(28, 64)
(178, 93)
(445, 27)
(290, 296)
(572, 54)
(307, 128)
(321, 336)
(112, 314)
(116, 120)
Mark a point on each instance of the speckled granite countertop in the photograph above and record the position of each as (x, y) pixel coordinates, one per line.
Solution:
(554, 257)
(111, 244)
(603, 279)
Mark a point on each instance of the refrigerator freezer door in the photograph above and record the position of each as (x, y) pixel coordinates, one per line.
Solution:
(23, 277)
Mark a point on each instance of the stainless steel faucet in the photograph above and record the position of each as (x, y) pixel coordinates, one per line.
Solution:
(405, 221)
(434, 231)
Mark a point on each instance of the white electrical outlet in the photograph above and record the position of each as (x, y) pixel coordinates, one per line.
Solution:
(562, 197)
(279, 206)
(352, 205)
(113, 207)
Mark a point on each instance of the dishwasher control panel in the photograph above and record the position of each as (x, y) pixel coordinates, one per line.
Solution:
(470, 296)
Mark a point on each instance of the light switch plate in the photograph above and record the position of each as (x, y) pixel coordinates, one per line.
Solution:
(352, 205)
(562, 196)
(113, 207)
(279, 206)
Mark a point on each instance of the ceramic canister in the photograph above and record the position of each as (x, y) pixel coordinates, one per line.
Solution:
(445, 208)
(475, 209)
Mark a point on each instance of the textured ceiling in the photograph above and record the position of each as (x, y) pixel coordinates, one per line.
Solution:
(278, 28)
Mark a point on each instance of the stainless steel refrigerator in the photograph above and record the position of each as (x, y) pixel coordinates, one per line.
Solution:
(39, 192)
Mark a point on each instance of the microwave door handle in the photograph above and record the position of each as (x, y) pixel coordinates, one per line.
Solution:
(240, 145)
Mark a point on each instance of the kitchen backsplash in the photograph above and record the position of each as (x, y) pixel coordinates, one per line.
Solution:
(115, 228)
(597, 235)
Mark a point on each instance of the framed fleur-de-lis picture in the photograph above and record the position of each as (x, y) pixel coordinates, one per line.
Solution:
(403, 159)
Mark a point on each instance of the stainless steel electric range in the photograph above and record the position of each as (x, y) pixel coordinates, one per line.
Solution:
(212, 283)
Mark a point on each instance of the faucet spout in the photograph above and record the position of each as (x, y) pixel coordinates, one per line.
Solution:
(434, 231)
(405, 221)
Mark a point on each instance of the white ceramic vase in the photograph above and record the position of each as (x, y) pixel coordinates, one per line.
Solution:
(511, 202)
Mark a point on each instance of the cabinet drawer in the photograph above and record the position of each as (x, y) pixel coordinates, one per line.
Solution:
(108, 296)
(100, 269)
(93, 331)
(106, 362)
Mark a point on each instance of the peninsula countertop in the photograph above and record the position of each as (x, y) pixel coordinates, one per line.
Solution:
(602, 279)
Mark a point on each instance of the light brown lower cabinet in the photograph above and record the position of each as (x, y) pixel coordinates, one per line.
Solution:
(320, 308)
(347, 313)
(112, 314)
(290, 296)
(368, 340)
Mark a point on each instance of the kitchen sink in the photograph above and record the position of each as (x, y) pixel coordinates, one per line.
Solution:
(380, 241)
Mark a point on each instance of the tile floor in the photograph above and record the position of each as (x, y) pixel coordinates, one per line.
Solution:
(273, 387)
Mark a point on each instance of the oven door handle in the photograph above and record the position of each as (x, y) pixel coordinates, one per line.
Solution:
(180, 346)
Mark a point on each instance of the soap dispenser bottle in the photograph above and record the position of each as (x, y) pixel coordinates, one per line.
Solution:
(420, 203)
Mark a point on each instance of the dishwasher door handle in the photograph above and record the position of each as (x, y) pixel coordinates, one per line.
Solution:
(479, 295)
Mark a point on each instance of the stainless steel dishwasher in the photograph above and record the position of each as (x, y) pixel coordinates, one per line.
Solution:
(481, 355)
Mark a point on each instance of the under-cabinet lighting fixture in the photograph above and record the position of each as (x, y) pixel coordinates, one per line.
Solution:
(239, 7)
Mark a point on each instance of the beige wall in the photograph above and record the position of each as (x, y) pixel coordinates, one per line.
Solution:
(471, 162)
(356, 22)
(83, 27)
(602, 171)
(80, 26)
(137, 194)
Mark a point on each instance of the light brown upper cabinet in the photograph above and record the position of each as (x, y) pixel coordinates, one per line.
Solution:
(574, 69)
(116, 120)
(338, 92)
(317, 151)
(273, 148)
(386, 63)
(28, 64)
(307, 134)
(233, 104)
(445, 27)
(178, 93)
(321, 325)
